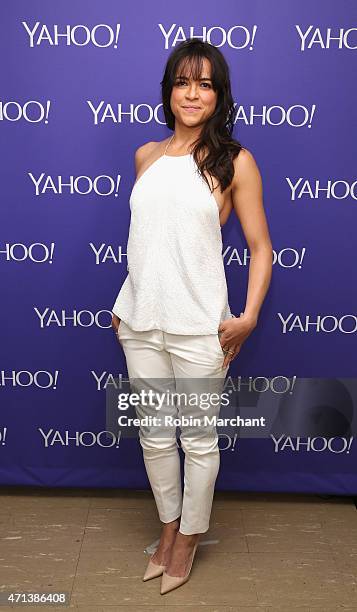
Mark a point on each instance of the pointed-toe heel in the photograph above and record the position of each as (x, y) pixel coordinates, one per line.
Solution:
(153, 570)
(168, 583)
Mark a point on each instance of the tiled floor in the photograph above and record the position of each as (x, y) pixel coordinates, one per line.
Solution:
(263, 552)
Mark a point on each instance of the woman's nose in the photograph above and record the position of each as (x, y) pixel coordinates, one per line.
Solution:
(192, 91)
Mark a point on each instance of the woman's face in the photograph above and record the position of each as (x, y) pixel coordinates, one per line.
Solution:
(193, 102)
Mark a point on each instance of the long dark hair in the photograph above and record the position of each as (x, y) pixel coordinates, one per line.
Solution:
(216, 133)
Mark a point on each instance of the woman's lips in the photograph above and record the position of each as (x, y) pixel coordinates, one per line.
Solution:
(191, 109)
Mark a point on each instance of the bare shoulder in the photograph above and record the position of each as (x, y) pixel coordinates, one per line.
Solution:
(245, 168)
(144, 150)
(147, 152)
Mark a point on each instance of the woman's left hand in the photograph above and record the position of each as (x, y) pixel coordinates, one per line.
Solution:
(234, 332)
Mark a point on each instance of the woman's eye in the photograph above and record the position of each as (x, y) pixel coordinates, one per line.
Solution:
(181, 82)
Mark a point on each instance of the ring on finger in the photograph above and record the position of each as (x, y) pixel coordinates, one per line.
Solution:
(229, 351)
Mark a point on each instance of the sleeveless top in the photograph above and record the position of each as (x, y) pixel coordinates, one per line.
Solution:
(176, 280)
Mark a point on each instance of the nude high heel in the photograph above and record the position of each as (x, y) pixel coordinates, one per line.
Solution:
(153, 570)
(168, 583)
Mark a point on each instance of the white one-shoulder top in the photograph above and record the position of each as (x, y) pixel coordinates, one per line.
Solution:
(176, 280)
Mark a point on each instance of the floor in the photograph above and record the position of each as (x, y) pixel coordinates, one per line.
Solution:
(263, 552)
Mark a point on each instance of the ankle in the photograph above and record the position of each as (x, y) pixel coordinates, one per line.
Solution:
(172, 526)
(189, 539)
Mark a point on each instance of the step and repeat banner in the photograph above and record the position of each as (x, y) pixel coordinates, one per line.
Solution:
(80, 91)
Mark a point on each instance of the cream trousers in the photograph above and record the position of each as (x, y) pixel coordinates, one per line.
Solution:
(192, 366)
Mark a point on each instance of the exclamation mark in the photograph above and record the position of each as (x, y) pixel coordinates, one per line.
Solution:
(55, 380)
(118, 439)
(253, 36)
(349, 445)
(3, 436)
(117, 187)
(302, 256)
(292, 384)
(52, 249)
(48, 104)
(117, 35)
(312, 114)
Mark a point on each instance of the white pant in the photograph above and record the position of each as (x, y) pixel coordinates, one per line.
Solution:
(159, 361)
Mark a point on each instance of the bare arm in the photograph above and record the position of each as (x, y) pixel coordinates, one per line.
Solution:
(247, 198)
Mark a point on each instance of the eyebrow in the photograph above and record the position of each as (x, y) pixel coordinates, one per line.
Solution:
(202, 79)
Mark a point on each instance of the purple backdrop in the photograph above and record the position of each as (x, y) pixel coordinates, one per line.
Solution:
(80, 91)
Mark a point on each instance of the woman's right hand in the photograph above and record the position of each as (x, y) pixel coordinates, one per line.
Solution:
(115, 323)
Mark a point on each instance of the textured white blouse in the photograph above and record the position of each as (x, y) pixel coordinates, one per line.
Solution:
(176, 279)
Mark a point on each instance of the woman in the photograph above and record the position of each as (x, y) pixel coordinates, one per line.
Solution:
(172, 315)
